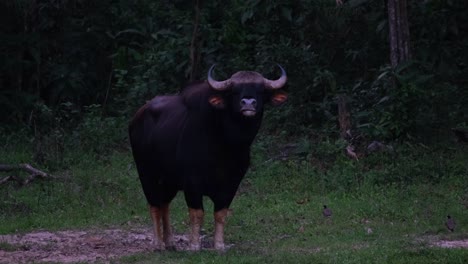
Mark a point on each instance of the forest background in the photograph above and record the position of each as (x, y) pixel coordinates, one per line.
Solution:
(374, 128)
(81, 68)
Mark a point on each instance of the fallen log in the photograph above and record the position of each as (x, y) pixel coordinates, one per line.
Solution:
(33, 173)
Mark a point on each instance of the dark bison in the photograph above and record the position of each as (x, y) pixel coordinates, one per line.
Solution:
(199, 142)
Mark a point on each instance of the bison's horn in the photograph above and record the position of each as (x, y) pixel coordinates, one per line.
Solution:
(277, 84)
(221, 85)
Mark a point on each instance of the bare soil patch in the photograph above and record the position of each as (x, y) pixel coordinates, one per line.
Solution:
(451, 243)
(444, 242)
(80, 245)
(103, 245)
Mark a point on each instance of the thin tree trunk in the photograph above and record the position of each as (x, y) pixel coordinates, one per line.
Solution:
(344, 121)
(344, 117)
(398, 32)
(393, 35)
(194, 45)
(406, 51)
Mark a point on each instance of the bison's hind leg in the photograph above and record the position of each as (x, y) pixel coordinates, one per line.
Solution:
(162, 227)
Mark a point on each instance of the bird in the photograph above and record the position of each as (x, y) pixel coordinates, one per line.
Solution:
(327, 212)
(450, 223)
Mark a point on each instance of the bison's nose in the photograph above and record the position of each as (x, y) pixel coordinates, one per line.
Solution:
(248, 106)
(246, 102)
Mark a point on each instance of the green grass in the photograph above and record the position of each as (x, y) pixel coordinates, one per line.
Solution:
(90, 193)
(276, 216)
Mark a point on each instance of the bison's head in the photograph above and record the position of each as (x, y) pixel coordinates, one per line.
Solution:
(247, 91)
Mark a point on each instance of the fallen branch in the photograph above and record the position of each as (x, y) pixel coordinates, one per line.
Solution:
(33, 173)
(350, 151)
(7, 178)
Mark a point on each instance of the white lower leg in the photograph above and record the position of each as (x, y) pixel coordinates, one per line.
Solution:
(196, 221)
(220, 221)
(167, 232)
(155, 213)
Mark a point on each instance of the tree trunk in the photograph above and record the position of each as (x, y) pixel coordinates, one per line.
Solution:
(398, 32)
(194, 45)
(344, 121)
(344, 117)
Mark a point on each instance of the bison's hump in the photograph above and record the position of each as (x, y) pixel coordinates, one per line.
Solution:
(162, 102)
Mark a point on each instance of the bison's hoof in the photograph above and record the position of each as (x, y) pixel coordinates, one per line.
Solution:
(194, 247)
(159, 248)
(171, 247)
(220, 247)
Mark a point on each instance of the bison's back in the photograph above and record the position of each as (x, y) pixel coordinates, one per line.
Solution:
(154, 128)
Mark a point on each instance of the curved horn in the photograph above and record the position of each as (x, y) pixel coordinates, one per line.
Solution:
(221, 85)
(276, 84)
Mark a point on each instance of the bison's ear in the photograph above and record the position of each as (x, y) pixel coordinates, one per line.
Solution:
(217, 101)
(278, 98)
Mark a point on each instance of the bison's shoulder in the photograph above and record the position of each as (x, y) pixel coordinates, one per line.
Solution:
(195, 96)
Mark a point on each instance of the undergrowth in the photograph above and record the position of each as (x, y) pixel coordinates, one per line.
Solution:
(382, 203)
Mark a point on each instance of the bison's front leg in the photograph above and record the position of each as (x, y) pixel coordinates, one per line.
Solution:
(162, 240)
(220, 221)
(167, 231)
(156, 216)
(196, 221)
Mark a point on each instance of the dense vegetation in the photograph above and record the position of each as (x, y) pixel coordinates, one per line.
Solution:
(84, 66)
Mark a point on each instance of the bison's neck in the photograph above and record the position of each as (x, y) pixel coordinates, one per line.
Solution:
(239, 131)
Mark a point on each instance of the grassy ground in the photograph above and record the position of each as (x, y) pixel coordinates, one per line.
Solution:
(387, 208)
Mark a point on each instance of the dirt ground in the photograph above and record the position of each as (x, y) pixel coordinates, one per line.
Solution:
(79, 245)
(101, 245)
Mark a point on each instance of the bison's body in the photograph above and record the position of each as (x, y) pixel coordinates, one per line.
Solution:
(198, 142)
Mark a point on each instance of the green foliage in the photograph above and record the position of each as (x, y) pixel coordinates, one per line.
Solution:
(419, 105)
(122, 53)
(331, 169)
(100, 134)
(85, 194)
(55, 136)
